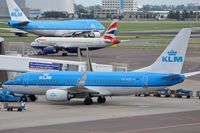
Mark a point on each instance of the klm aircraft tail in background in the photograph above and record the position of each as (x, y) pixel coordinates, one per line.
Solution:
(15, 12)
(172, 59)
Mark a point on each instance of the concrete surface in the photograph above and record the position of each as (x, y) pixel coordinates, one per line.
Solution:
(184, 122)
(43, 113)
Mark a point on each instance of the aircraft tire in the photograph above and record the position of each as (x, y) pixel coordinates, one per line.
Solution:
(23, 99)
(64, 54)
(101, 99)
(88, 101)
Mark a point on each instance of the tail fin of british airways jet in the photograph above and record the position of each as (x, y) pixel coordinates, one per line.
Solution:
(172, 59)
(111, 32)
(16, 13)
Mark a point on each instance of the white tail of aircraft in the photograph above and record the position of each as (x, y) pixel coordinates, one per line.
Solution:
(16, 13)
(172, 59)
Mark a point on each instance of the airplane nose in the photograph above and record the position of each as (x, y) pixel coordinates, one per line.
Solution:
(5, 84)
(34, 44)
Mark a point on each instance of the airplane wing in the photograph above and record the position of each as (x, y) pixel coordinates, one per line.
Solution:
(76, 34)
(80, 87)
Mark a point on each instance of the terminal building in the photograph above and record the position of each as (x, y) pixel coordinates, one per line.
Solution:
(34, 8)
(113, 8)
(122, 5)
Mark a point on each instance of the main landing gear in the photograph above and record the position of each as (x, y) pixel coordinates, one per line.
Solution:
(101, 99)
(89, 101)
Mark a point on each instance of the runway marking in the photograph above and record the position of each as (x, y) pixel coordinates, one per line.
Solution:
(158, 128)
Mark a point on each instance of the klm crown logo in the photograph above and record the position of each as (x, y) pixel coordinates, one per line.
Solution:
(172, 57)
(172, 53)
(45, 76)
(16, 13)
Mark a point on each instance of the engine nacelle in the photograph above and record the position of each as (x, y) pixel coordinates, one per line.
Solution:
(72, 50)
(94, 35)
(57, 95)
(50, 50)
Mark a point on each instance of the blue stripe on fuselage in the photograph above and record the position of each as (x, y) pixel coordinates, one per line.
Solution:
(115, 79)
(60, 25)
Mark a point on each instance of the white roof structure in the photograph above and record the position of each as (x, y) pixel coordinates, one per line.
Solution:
(51, 5)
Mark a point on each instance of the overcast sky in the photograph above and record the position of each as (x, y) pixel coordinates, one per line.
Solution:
(142, 2)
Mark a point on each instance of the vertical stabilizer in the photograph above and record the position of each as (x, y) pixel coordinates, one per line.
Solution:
(112, 30)
(172, 59)
(15, 12)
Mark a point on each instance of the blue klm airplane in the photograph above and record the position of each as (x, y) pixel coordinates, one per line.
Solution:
(64, 86)
(51, 28)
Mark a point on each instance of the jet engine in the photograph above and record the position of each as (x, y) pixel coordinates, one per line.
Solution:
(50, 50)
(94, 35)
(57, 95)
(72, 50)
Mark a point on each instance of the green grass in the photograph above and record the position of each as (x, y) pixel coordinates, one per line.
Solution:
(143, 37)
(4, 26)
(140, 47)
(21, 39)
(152, 25)
(146, 47)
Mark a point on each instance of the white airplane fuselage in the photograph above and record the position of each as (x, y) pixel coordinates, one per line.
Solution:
(71, 42)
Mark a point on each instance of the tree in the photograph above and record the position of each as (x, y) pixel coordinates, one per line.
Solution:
(54, 14)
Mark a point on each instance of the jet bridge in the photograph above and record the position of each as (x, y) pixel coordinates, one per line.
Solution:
(15, 63)
(18, 63)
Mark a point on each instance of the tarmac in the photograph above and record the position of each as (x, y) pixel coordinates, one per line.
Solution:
(119, 114)
(127, 114)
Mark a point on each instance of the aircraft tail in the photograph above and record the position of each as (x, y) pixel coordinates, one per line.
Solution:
(111, 32)
(16, 13)
(172, 59)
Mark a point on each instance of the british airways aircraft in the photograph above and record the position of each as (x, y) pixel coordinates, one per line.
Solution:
(69, 28)
(52, 45)
(64, 86)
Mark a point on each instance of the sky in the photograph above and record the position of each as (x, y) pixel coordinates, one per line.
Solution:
(141, 2)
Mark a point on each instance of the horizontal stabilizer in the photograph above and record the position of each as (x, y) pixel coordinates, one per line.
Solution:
(24, 23)
(191, 74)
